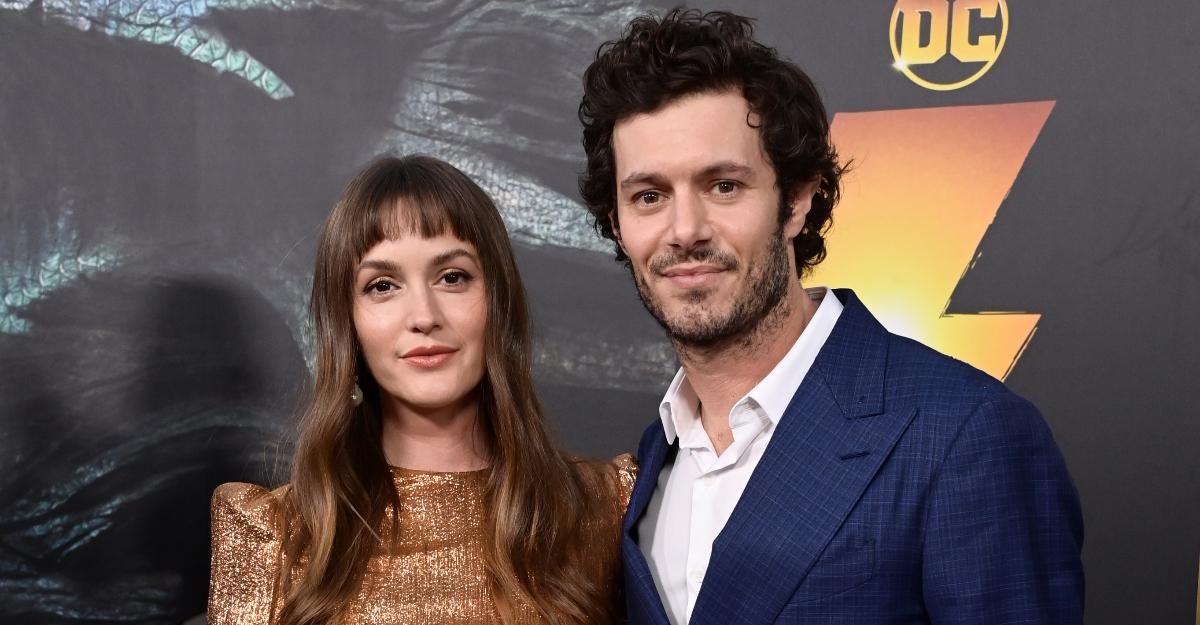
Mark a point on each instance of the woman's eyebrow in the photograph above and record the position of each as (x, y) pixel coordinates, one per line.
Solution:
(450, 255)
(440, 259)
(382, 265)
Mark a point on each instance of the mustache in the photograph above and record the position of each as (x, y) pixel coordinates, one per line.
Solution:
(705, 254)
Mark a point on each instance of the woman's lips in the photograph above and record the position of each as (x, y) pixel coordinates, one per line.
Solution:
(428, 357)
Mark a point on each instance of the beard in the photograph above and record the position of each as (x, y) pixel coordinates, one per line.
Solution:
(700, 322)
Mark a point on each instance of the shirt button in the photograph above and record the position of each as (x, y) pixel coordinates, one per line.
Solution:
(697, 576)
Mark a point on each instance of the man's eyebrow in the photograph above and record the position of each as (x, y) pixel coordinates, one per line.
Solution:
(638, 177)
(719, 168)
(725, 168)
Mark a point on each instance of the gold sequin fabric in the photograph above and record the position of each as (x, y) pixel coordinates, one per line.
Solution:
(436, 574)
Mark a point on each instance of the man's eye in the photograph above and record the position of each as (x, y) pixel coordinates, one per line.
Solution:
(725, 187)
(648, 197)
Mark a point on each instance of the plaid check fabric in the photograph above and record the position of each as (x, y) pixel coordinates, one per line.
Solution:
(901, 487)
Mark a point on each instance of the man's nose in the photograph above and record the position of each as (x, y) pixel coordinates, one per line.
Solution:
(689, 223)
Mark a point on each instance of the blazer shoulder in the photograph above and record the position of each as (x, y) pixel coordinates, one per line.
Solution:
(958, 401)
(935, 380)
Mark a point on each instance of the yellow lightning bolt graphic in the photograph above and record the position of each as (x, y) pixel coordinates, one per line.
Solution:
(925, 186)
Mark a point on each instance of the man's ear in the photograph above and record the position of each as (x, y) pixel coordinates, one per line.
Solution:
(616, 229)
(800, 203)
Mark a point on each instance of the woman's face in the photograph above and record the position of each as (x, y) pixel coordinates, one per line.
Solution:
(420, 310)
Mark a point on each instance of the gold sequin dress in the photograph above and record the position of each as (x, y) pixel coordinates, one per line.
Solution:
(435, 576)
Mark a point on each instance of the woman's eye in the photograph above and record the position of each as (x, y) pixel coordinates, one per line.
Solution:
(455, 278)
(381, 286)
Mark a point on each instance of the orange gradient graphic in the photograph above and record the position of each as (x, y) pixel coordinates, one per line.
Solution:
(924, 187)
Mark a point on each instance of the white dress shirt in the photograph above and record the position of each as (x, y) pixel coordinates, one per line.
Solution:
(697, 493)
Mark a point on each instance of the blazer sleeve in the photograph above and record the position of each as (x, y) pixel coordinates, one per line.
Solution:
(246, 556)
(1004, 530)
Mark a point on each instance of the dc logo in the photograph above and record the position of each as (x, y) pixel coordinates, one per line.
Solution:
(947, 44)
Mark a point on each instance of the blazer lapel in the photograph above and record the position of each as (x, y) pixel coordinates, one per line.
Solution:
(831, 441)
(641, 596)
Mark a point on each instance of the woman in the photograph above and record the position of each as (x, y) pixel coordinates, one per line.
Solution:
(425, 487)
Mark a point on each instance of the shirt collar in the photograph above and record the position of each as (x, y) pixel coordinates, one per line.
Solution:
(679, 404)
(679, 407)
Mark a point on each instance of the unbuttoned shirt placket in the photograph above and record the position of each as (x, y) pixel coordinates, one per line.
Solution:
(714, 492)
(697, 491)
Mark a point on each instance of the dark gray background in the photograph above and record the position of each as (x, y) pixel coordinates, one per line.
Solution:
(156, 235)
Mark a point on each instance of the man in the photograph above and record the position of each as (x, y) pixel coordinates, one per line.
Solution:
(808, 466)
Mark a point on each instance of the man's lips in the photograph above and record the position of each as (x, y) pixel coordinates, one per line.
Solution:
(428, 357)
(694, 275)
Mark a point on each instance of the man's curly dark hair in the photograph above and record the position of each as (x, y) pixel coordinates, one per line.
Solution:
(686, 52)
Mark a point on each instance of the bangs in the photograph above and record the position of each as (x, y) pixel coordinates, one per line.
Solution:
(409, 215)
(418, 196)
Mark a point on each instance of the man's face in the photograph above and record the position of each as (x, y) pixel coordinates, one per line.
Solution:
(698, 215)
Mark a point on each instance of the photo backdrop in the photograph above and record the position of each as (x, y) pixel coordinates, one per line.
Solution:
(1024, 197)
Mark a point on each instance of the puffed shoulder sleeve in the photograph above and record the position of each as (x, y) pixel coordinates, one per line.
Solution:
(246, 555)
(626, 474)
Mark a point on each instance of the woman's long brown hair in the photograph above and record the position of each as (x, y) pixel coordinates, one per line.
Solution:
(535, 498)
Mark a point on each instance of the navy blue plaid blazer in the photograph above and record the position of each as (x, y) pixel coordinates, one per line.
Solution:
(901, 486)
